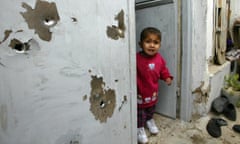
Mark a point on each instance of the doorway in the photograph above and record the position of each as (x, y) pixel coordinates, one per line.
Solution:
(163, 14)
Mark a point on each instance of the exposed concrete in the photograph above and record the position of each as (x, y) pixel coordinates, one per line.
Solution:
(41, 18)
(116, 32)
(103, 101)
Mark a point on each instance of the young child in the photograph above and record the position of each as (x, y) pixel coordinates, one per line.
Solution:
(151, 67)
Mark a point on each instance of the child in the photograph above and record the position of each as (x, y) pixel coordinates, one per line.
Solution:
(150, 68)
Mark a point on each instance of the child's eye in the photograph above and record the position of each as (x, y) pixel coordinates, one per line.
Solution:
(147, 41)
(156, 42)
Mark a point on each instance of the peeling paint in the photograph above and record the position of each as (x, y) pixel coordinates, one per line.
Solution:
(102, 100)
(41, 18)
(202, 94)
(6, 35)
(3, 117)
(116, 32)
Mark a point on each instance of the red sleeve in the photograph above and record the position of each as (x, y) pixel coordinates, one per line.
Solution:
(165, 71)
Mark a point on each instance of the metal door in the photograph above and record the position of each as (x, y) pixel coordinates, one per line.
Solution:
(162, 14)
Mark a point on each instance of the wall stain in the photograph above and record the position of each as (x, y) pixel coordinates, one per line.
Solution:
(84, 97)
(3, 117)
(6, 35)
(72, 137)
(116, 32)
(19, 31)
(103, 101)
(41, 18)
(123, 102)
(1, 64)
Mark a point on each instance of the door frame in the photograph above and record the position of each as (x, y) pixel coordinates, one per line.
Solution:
(132, 69)
(186, 101)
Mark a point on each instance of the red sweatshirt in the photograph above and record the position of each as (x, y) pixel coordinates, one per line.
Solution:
(149, 71)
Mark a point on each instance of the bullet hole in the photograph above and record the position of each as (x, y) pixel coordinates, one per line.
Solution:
(18, 46)
(6, 35)
(102, 100)
(116, 32)
(89, 71)
(74, 19)
(116, 80)
(49, 21)
(41, 18)
(125, 98)
(102, 104)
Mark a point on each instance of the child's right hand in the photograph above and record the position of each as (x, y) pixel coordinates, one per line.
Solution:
(168, 81)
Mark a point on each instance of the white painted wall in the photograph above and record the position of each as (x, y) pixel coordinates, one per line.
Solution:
(44, 95)
(200, 47)
(202, 44)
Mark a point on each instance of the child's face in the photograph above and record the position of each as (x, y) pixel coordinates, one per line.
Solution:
(151, 44)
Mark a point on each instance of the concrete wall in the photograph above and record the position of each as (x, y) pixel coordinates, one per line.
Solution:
(207, 79)
(200, 49)
(72, 82)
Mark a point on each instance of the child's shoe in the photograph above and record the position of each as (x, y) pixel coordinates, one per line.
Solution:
(152, 126)
(141, 135)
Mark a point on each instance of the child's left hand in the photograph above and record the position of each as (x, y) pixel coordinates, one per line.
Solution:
(168, 81)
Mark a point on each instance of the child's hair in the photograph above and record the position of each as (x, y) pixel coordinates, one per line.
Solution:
(150, 30)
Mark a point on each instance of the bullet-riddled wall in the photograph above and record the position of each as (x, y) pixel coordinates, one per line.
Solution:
(67, 72)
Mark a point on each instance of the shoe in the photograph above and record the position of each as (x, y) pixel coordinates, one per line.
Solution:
(236, 128)
(213, 128)
(220, 122)
(152, 126)
(229, 112)
(141, 135)
(219, 103)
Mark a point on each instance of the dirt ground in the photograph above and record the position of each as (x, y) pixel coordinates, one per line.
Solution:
(180, 132)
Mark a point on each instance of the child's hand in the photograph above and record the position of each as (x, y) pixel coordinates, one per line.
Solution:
(168, 81)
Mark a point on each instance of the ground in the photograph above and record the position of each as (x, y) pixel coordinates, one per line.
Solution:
(175, 131)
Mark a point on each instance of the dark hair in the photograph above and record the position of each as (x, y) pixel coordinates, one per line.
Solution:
(150, 30)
